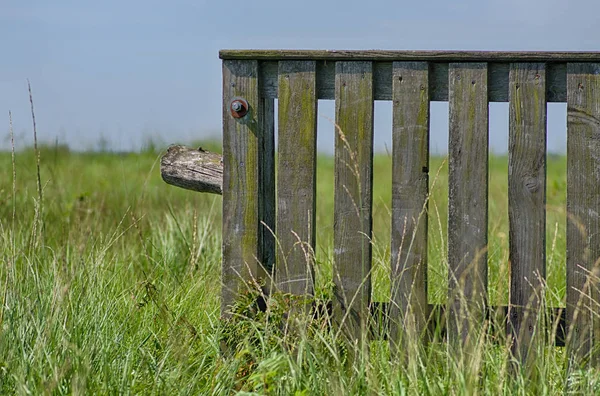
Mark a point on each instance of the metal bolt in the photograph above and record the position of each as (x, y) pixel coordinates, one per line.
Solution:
(237, 105)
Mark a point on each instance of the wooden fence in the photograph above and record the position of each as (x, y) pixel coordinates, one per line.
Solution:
(252, 212)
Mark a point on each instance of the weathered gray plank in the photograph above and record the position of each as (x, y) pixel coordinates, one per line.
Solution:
(382, 79)
(193, 169)
(410, 187)
(526, 207)
(240, 180)
(354, 108)
(467, 200)
(296, 178)
(418, 56)
(583, 210)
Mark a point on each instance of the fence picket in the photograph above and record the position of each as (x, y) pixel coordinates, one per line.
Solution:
(526, 206)
(467, 200)
(353, 194)
(410, 187)
(296, 178)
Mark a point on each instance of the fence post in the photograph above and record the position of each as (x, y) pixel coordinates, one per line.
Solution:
(245, 133)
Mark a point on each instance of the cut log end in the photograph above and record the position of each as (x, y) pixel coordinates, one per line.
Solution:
(193, 169)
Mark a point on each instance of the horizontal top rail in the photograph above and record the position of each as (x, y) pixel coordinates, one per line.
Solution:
(434, 56)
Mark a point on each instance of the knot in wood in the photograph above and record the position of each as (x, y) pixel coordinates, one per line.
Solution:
(532, 184)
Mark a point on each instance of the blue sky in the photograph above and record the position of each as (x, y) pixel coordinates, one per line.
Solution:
(123, 71)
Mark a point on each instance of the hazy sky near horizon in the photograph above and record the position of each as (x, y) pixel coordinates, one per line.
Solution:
(125, 71)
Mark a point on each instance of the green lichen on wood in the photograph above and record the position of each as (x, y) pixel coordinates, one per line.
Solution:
(240, 184)
(296, 184)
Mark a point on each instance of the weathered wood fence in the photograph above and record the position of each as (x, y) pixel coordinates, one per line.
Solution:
(257, 204)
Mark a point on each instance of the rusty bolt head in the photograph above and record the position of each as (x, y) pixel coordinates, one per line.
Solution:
(239, 107)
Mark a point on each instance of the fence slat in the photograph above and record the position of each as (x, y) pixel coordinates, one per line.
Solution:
(296, 178)
(410, 187)
(240, 180)
(467, 200)
(583, 210)
(526, 206)
(354, 108)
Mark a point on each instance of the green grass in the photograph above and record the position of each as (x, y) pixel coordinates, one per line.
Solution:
(110, 285)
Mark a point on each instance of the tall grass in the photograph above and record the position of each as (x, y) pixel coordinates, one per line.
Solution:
(121, 295)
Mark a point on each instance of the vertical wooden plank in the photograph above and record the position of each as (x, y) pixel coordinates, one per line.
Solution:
(583, 211)
(410, 188)
(240, 180)
(526, 207)
(353, 194)
(296, 178)
(467, 200)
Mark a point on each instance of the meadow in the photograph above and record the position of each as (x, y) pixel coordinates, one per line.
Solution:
(110, 284)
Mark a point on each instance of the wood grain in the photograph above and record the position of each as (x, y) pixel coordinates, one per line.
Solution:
(467, 200)
(296, 178)
(583, 211)
(193, 169)
(410, 187)
(526, 208)
(353, 194)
